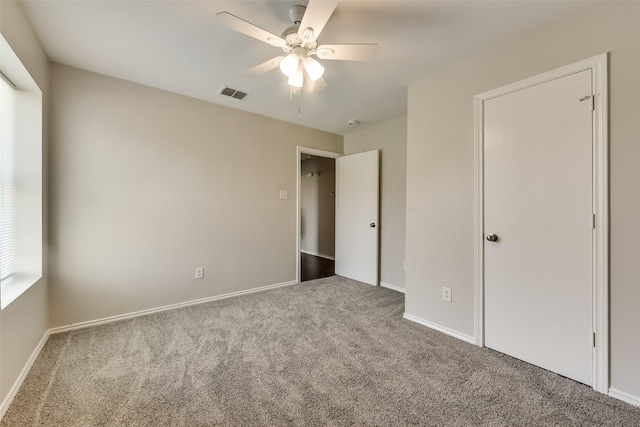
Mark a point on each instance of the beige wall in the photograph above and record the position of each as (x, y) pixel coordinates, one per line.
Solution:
(391, 139)
(24, 322)
(440, 171)
(147, 185)
(318, 206)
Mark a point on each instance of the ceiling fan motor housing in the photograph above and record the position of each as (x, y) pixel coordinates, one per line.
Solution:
(290, 35)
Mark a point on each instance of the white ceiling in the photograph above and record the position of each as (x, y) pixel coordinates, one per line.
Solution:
(177, 46)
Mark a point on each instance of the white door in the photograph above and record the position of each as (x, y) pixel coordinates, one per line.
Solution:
(538, 202)
(357, 217)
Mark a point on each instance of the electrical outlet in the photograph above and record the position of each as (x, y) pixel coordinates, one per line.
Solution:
(199, 272)
(446, 294)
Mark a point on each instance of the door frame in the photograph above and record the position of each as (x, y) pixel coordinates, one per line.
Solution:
(300, 150)
(600, 205)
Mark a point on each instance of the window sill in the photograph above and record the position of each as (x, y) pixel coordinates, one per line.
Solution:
(15, 286)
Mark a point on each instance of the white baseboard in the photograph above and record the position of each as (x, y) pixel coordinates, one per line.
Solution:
(392, 287)
(118, 317)
(625, 397)
(443, 329)
(23, 374)
(319, 255)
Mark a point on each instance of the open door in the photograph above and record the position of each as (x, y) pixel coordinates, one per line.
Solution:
(357, 217)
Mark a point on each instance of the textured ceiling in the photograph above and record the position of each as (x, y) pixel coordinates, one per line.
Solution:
(177, 46)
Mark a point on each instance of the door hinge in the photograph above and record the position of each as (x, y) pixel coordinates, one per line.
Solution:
(593, 221)
(590, 98)
(594, 339)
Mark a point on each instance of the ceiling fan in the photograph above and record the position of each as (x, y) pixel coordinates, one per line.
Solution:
(299, 42)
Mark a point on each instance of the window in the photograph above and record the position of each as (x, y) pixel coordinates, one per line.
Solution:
(7, 198)
(20, 177)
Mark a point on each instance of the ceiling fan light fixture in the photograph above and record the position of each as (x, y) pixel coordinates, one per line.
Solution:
(296, 78)
(313, 68)
(290, 64)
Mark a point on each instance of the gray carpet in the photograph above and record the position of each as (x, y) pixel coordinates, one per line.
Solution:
(326, 352)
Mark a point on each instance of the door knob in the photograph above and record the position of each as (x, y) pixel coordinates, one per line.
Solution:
(372, 225)
(492, 237)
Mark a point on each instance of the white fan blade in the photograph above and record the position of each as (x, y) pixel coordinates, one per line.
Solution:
(311, 86)
(347, 52)
(315, 18)
(244, 27)
(264, 67)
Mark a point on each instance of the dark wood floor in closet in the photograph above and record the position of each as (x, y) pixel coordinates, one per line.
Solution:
(315, 267)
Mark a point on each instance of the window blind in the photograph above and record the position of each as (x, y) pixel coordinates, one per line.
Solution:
(7, 180)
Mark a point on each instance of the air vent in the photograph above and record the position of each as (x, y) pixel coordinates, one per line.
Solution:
(233, 93)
